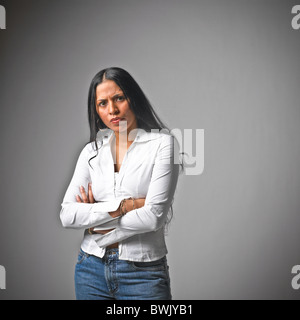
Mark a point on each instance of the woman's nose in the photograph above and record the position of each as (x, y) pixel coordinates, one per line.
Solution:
(112, 108)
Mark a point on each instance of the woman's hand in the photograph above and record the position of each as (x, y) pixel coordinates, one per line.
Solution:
(85, 198)
(138, 203)
(89, 198)
(128, 205)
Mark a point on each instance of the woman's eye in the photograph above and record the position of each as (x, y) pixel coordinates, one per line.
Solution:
(101, 104)
(120, 98)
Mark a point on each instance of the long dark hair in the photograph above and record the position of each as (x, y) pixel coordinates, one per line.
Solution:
(146, 117)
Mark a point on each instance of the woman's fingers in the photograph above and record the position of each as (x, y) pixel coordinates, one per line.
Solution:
(139, 202)
(85, 198)
(142, 201)
(90, 193)
(83, 195)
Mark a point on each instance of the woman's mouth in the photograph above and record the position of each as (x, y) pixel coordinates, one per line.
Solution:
(116, 120)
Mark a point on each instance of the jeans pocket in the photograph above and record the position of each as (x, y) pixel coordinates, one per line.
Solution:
(82, 256)
(157, 265)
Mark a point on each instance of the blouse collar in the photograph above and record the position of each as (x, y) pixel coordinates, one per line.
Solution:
(106, 135)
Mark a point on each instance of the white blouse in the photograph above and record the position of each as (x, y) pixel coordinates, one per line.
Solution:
(149, 170)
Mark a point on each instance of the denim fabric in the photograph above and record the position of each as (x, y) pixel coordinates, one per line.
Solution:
(110, 278)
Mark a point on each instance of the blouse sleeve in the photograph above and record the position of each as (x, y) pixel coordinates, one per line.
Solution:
(84, 215)
(152, 215)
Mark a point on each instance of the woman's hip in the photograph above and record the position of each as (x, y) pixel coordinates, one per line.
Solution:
(122, 279)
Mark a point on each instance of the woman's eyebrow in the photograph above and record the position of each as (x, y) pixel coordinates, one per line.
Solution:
(116, 95)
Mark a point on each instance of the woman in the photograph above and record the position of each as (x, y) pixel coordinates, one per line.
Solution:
(121, 192)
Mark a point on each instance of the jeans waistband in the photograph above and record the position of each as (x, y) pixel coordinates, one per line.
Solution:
(111, 251)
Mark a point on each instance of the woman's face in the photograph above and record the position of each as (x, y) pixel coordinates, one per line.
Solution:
(112, 107)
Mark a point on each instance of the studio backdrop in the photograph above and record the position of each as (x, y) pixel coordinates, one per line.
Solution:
(229, 69)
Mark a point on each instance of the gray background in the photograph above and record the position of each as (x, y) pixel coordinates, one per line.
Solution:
(228, 67)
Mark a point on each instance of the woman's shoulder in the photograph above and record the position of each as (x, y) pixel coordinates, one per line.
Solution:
(167, 137)
(91, 148)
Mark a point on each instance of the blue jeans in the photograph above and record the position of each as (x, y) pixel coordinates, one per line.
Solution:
(109, 278)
